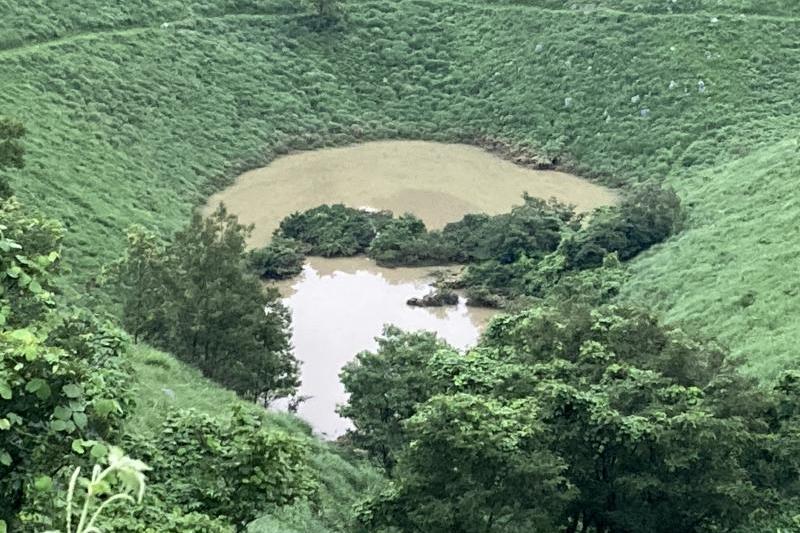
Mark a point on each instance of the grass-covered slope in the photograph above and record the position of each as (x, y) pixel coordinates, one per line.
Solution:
(733, 273)
(163, 384)
(132, 120)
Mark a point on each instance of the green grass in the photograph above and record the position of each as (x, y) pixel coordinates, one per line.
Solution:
(131, 122)
(162, 384)
(734, 273)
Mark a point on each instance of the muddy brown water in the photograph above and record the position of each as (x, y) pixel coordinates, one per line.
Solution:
(339, 306)
(438, 182)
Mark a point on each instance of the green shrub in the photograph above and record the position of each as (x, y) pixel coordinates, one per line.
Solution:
(237, 469)
(333, 230)
(64, 381)
(532, 229)
(282, 258)
(647, 216)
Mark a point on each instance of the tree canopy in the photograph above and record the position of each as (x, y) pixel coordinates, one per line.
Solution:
(577, 418)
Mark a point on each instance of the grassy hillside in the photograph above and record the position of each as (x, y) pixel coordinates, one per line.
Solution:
(132, 120)
(163, 384)
(733, 273)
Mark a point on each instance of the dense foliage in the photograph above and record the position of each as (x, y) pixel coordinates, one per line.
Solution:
(523, 253)
(11, 151)
(280, 259)
(590, 419)
(171, 386)
(236, 469)
(385, 388)
(63, 378)
(334, 230)
(646, 216)
(196, 297)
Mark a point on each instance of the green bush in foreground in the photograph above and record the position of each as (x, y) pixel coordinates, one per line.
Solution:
(237, 469)
(64, 383)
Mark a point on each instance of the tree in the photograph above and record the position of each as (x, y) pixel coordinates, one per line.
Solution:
(198, 299)
(384, 389)
(30, 246)
(405, 241)
(139, 277)
(474, 464)
(333, 230)
(532, 229)
(637, 427)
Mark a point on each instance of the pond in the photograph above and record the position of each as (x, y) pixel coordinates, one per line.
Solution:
(339, 306)
(439, 183)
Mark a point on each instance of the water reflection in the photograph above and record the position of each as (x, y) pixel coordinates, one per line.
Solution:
(338, 308)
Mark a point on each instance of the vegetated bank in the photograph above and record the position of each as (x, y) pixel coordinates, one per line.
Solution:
(520, 255)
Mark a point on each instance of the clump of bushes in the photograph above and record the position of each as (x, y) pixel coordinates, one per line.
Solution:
(532, 229)
(334, 230)
(405, 241)
(525, 252)
(282, 258)
(645, 217)
(437, 298)
(235, 469)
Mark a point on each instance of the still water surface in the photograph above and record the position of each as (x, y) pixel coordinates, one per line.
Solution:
(438, 182)
(338, 308)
